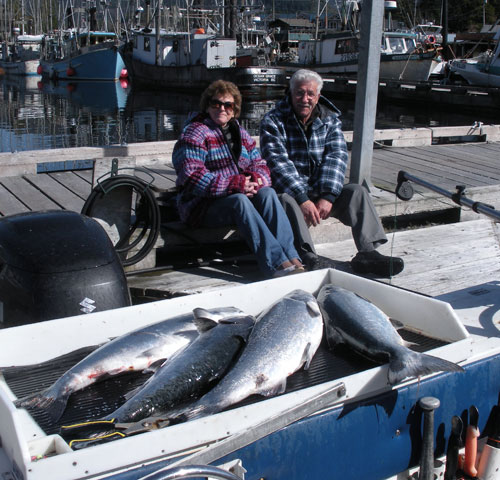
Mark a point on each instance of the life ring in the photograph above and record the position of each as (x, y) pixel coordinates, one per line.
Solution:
(430, 39)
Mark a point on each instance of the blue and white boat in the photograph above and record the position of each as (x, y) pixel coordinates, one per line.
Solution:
(366, 428)
(22, 56)
(82, 55)
(483, 70)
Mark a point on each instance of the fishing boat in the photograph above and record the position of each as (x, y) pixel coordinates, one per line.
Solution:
(401, 57)
(192, 60)
(483, 70)
(82, 55)
(22, 56)
(339, 419)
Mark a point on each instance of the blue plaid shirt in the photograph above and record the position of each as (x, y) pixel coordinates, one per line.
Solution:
(308, 166)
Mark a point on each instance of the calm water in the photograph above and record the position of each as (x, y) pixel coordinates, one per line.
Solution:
(36, 115)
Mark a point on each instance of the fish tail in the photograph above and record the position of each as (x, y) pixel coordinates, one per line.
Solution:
(190, 414)
(414, 364)
(47, 400)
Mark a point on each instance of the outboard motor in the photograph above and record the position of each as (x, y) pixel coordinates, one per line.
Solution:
(56, 264)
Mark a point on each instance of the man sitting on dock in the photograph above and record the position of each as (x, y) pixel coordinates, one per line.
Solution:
(302, 141)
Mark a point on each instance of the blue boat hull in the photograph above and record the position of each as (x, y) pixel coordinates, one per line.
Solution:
(374, 438)
(102, 64)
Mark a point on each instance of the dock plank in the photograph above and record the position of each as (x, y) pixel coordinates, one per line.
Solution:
(450, 170)
(9, 204)
(393, 162)
(438, 260)
(78, 185)
(58, 193)
(28, 194)
(162, 178)
(465, 158)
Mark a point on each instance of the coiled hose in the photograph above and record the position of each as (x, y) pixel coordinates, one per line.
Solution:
(144, 215)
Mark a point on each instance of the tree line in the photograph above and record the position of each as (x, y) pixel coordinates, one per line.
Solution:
(463, 15)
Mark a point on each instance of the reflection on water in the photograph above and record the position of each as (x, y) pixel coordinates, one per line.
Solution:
(36, 115)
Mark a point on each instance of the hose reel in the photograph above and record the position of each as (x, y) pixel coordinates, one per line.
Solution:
(130, 211)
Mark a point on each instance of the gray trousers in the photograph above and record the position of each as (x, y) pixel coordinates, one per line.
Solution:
(353, 207)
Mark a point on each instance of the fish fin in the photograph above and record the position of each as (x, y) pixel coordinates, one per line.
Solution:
(191, 414)
(203, 324)
(313, 308)
(307, 357)
(396, 323)
(154, 366)
(415, 364)
(134, 391)
(275, 390)
(333, 337)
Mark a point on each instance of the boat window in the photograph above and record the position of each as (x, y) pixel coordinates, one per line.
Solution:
(147, 44)
(397, 45)
(411, 44)
(349, 45)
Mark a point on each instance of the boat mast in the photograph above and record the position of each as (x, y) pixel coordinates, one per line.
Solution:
(157, 33)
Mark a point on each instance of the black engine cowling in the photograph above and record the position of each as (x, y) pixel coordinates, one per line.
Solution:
(56, 264)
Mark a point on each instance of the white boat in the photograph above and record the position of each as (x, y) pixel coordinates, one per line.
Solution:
(192, 60)
(22, 56)
(483, 70)
(401, 58)
(428, 33)
(366, 429)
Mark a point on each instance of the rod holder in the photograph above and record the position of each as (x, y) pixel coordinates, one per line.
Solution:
(428, 405)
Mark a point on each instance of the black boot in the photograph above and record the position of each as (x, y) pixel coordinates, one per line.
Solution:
(376, 263)
(310, 261)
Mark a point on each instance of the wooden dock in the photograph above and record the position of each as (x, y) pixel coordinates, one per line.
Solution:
(30, 181)
(63, 178)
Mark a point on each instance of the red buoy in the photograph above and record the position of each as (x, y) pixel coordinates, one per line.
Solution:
(39, 70)
(124, 73)
(70, 72)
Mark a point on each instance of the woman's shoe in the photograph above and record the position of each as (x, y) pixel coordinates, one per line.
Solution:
(282, 272)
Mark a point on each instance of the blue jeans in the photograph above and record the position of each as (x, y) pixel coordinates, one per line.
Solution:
(261, 221)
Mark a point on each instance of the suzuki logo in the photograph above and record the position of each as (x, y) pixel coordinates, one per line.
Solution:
(87, 305)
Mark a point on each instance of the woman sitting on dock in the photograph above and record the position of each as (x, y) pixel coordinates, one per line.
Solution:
(223, 180)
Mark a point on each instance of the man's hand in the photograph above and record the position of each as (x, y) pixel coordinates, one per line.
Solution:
(250, 187)
(324, 208)
(311, 213)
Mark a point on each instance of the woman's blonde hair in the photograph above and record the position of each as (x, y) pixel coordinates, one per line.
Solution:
(221, 87)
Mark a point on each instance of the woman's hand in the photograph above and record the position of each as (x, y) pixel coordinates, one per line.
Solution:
(250, 188)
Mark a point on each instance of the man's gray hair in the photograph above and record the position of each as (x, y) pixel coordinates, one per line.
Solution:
(303, 75)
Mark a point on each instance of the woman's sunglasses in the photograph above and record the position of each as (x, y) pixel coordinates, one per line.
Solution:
(228, 106)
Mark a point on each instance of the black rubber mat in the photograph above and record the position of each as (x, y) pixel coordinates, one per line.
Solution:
(106, 396)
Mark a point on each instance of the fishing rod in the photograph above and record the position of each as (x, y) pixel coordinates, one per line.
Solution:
(404, 191)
